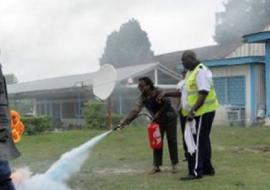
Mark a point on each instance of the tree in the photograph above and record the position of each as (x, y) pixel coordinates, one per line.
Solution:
(129, 46)
(11, 79)
(241, 17)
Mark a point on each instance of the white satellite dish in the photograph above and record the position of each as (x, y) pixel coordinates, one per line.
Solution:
(104, 81)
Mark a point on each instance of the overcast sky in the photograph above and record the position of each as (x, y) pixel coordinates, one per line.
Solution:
(48, 38)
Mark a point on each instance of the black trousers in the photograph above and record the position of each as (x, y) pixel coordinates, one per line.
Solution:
(171, 134)
(5, 181)
(200, 162)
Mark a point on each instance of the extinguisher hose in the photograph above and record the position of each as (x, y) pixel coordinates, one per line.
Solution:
(139, 115)
(147, 115)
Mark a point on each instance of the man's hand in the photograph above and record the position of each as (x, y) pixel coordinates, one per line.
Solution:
(4, 135)
(190, 115)
(160, 97)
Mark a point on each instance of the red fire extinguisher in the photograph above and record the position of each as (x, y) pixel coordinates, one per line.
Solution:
(154, 135)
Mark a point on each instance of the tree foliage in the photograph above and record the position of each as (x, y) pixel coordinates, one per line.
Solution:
(241, 17)
(128, 46)
(36, 125)
(11, 79)
(95, 115)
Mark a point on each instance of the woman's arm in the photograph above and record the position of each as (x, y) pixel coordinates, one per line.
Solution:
(131, 115)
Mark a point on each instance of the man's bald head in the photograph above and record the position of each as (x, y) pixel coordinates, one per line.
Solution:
(189, 59)
(189, 54)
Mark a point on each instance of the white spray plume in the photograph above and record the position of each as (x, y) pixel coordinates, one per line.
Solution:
(61, 170)
(20, 174)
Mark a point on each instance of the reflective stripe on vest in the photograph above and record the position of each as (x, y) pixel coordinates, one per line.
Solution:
(210, 103)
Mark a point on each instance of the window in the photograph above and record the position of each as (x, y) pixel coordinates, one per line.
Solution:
(69, 109)
(231, 90)
(41, 109)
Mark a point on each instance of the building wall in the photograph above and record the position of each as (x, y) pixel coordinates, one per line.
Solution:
(63, 112)
(230, 71)
(266, 28)
(248, 50)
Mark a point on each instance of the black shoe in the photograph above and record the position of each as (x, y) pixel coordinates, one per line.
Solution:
(190, 177)
(210, 172)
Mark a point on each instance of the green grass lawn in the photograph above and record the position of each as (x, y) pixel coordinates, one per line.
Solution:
(121, 161)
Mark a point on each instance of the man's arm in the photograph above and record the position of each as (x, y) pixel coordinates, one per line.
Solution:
(174, 94)
(200, 101)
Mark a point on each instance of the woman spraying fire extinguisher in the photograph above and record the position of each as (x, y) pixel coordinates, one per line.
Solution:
(163, 114)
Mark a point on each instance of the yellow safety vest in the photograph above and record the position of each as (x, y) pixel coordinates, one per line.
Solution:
(210, 103)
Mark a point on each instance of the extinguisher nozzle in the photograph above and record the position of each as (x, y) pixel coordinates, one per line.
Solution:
(117, 128)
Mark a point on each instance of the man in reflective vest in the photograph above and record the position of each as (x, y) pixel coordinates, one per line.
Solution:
(199, 104)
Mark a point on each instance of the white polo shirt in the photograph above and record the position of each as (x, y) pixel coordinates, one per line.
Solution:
(180, 88)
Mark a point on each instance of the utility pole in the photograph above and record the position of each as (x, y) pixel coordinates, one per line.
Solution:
(109, 112)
